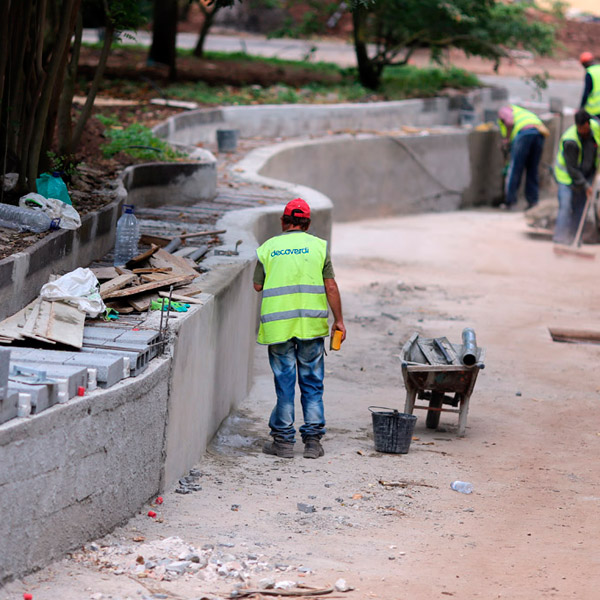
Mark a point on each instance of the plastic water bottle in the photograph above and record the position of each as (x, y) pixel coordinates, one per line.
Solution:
(24, 219)
(464, 487)
(128, 234)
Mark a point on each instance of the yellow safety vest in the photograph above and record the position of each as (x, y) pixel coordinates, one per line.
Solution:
(592, 105)
(522, 117)
(294, 303)
(560, 165)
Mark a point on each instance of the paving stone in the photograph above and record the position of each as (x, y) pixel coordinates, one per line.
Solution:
(75, 376)
(8, 406)
(43, 395)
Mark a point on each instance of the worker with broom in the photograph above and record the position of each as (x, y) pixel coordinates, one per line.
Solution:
(575, 168)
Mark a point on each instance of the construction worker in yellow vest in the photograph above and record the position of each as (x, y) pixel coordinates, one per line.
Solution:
(523, 134)
(295, 274)
(575, 168)
(590, 101)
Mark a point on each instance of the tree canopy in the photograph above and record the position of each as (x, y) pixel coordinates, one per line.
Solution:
(485, 28)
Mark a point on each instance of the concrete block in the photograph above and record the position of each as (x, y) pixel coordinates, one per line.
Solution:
(110, 368)
(102, 333)
(74, 376)
(43, 395)
(4, 363)
(138, 361)
(8, 406)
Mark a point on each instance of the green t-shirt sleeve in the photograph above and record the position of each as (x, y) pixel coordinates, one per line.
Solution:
(259, 273)
(328, 268)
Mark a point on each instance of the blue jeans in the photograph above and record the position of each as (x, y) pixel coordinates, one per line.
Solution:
(525, 155)
(571, 203)
(308, 356)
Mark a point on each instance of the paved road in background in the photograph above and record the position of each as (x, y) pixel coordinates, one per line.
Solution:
(342, 53)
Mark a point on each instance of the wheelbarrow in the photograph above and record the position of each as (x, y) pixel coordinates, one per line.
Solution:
(441, 373)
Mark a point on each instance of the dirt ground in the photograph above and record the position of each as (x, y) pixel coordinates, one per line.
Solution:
(527, 531)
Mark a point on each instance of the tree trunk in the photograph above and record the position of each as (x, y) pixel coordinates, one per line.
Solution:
(70, 9)
(164, 35)
(65, 104)
(369, 74)
(209, 17)
(89, 103)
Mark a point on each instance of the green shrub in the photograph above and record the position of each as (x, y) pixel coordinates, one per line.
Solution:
(136, 140)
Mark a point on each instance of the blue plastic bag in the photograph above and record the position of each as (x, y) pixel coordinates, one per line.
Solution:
(52, 186)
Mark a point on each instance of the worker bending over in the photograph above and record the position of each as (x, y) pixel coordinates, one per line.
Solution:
(590, 101)
(295, 274)
(523, 135)
(575, 168)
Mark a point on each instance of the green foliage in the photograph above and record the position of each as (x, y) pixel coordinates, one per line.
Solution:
(136, 140)
(411, 82)
(66, 165)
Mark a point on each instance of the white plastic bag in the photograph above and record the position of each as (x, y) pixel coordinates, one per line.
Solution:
(79, 287)
(55, 209)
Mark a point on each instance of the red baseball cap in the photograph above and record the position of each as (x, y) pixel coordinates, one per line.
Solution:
(297, 208)
(586, 57)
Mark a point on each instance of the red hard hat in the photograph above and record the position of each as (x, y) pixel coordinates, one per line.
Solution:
(586, 57)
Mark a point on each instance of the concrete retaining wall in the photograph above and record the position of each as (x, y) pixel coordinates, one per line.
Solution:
(293, 120)
(79, 469)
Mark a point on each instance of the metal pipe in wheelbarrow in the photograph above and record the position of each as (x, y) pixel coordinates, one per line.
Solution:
(468, 354)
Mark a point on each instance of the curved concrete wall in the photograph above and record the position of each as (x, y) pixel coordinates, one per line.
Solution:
(79, 465)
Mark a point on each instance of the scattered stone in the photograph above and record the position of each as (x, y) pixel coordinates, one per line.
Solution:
(94, 547)
(235, 507)
(97, 596)
(328, 485)
(305, 570)
(195, 473)
(266, 584)
(285, 585)
(342, 586)
(518, 394)
(306, 508)
(183, 490)
(178, 566)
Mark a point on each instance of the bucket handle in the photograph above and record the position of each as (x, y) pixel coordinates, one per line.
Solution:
(393, 410)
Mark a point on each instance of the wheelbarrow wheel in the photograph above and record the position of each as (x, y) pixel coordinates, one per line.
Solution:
(433, 416)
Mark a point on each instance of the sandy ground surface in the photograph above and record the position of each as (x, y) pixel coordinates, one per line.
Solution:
(529, 529)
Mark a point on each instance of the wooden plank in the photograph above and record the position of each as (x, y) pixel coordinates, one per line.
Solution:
(119, 282)
(120, 307)
(588, 336)
(153, 270)
(180, 298)
(12, 327)
(104, 273)
(189, 290)
(153, 285)
(164, 259)
(141, 303)
(66, 324)
(154, 239)
(185, 236)
(136, 260)
(155, 277)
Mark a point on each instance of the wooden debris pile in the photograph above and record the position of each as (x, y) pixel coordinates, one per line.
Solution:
(147, 277)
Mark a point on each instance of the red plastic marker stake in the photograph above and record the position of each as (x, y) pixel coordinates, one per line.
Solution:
(27, 596)
(151, 513)
(80, 391)
(159, 500)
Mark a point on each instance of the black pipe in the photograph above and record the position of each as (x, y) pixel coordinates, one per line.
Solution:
(468, 353)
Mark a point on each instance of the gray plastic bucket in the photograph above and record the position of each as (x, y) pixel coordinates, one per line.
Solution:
(392, 430)
(227, 139)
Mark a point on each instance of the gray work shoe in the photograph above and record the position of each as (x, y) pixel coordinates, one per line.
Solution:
(279, 448)
(313, 448)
